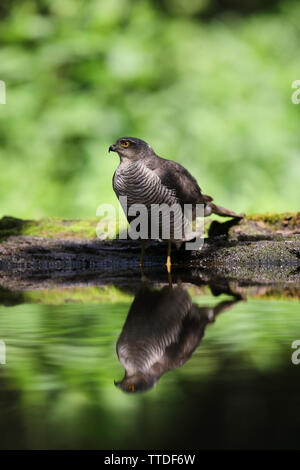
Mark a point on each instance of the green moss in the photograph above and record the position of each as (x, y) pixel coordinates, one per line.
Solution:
(111, 294)
(285, 219)
(286, 294)
(51, 227)
(57, 228)
(77, 295)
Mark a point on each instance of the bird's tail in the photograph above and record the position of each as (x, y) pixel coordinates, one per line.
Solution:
(224, 212)
(212, 208)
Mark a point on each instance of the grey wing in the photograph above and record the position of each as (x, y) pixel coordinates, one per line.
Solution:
(114, 184)
(192, 332)
(174, 176)
(117, 184)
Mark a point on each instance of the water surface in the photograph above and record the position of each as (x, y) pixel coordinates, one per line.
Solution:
(238, 389)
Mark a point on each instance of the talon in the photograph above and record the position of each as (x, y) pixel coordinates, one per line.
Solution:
(168, 264)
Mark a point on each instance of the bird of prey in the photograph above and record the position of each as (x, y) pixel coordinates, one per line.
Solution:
(145, 178)
(162, 330)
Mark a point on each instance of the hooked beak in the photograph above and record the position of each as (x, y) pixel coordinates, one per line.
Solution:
(112, 148)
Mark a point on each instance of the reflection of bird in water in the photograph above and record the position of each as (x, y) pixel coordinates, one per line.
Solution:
(162, 330)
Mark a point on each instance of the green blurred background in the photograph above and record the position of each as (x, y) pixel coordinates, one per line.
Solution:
(206, 83)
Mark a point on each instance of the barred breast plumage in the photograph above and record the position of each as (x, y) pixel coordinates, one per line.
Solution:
(141, 185)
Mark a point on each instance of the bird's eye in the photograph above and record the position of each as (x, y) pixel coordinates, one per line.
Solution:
(126, 143)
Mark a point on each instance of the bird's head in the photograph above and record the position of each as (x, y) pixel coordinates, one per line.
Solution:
(131, 148)
(137, 383)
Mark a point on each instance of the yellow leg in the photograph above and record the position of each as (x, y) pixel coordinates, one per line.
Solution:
(168, 263)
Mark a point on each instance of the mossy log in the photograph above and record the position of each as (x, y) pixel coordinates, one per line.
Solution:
(261, 249)
(269, 225)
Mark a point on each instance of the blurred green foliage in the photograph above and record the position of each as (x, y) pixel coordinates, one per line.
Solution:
(208, 87)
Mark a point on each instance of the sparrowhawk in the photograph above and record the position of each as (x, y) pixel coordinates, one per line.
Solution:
(145, 178)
